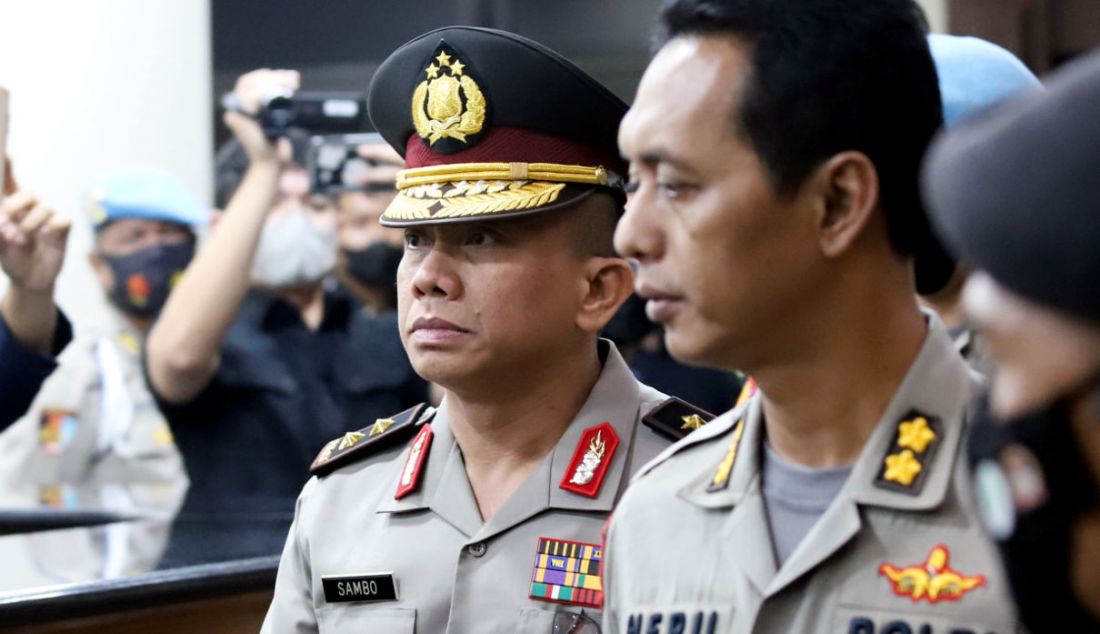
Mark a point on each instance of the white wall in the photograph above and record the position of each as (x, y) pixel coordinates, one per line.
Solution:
(97, 85)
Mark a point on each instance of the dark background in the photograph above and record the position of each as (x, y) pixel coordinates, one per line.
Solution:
(337, 44)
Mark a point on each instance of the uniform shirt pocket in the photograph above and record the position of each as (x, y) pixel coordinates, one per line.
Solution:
(363, 617)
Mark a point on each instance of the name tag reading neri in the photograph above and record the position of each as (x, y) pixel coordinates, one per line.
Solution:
(376, 587)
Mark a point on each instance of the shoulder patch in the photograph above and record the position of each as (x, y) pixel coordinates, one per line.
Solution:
(905, 464)
(384, 433)
(675, 418)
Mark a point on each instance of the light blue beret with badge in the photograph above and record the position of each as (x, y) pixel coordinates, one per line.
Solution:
(144, 193)
(976, 75)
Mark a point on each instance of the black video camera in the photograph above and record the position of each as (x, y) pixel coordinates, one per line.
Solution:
(312, 111)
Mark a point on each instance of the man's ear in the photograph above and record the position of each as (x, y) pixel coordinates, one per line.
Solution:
(102, 271)
(847, 190)
(607, 284)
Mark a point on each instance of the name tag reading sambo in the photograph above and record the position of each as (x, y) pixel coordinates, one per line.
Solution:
(376, 587)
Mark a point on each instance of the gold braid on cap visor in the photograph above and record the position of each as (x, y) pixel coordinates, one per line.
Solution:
(475, 189)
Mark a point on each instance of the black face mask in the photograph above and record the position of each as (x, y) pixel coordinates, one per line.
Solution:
(144, 278)
(375, 265)
(1033, 485)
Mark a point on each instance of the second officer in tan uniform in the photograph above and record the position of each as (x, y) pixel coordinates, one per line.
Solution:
(94, 421)
(485, 515)
(777, 228)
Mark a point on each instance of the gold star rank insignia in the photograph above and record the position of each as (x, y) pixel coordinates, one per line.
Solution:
(385, 432)
(902, 468)
(380, 426)
(443, 58)
(915, 434)
(907, 460)
(350, 439)
(675, 419)
(693, 421)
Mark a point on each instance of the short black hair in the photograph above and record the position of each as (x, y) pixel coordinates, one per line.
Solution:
(594, 222)
(829, 76)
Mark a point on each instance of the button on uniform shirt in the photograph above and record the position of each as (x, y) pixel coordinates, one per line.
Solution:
(899, 549)
(23, 370)
(94, 419)
(451, 571)
(281, 391)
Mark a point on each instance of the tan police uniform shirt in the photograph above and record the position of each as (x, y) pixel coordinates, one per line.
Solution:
(899, 550)
(94, 419)
(452, 571)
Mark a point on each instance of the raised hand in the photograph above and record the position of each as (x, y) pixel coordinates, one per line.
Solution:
(32, 239)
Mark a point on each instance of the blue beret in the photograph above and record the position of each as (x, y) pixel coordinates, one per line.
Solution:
(976, 75)
(1014, 192)
(144, 193)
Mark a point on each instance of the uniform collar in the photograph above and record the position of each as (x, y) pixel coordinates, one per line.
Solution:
(938, 384)
(119, 330)
(445, 489)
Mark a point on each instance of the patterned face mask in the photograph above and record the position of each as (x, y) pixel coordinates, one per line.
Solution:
(144, 278)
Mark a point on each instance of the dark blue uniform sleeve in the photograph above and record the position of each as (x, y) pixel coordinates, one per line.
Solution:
(23, 370)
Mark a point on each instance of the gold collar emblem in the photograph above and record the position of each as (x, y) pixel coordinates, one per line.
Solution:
(448, 103)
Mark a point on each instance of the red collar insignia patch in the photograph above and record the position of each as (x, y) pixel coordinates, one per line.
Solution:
(414, 463)
(933, 580)
(592, 457)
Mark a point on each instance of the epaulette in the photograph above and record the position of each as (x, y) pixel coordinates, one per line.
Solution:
(385, 432)
(675, 418)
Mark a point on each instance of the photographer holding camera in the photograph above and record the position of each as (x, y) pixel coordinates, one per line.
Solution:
(254, 363)
(370, 252)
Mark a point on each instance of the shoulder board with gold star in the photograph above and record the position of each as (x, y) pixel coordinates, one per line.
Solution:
(675, 418)
(384, 433)
(905, 464)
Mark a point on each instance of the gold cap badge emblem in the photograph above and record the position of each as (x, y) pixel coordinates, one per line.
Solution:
(448, 103)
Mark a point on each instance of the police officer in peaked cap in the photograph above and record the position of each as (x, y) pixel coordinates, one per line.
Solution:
(485, 515)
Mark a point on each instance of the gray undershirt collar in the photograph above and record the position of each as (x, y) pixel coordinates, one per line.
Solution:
(795, 498)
